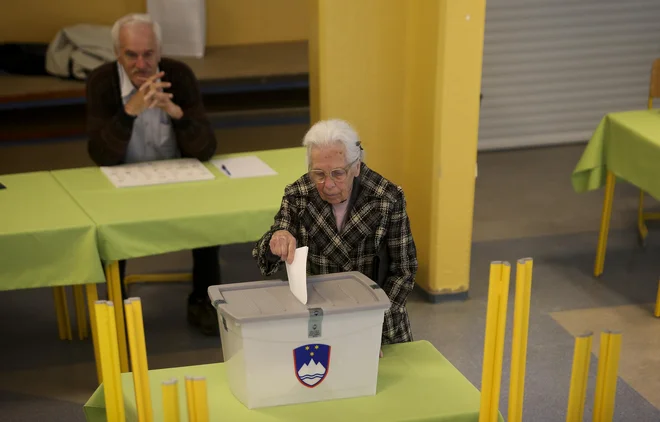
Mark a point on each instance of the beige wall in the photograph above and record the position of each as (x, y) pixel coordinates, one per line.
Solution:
(229, 22)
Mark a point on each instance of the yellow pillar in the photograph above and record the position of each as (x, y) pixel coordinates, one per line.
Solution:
(407, 75)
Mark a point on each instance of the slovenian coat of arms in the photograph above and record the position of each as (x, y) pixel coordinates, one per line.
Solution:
(311, 363)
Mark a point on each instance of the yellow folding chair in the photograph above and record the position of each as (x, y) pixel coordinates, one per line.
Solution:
(643, 217)
(156, 278)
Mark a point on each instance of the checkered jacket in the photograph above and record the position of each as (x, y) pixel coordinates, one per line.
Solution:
(376, 221)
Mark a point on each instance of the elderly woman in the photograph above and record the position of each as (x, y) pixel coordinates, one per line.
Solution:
(351, 218)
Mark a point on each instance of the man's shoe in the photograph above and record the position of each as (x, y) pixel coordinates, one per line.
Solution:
(203, 315)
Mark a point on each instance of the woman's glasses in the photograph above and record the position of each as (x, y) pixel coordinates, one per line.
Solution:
(337, 175)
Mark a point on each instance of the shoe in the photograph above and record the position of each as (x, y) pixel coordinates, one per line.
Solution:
(203, 315)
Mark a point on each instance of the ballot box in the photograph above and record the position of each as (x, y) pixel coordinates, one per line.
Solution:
(280, 351)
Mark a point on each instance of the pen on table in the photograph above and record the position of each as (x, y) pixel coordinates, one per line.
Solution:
(226, 170)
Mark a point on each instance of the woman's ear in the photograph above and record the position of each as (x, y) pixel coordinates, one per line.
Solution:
(358, 165)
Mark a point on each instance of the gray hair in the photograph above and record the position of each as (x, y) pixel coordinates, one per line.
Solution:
(328, 133)
(132, 19)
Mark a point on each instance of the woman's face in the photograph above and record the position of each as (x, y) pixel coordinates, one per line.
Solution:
(331, 173)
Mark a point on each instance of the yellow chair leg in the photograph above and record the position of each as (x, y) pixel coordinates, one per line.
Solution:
(114, 293)
(139, 364)
(609, 390)
(519, 340)
(62, 311)
(600, 376)
(81, 315)
(200, 399)
(59, 313)
(156, 278)
(608, 367)
(92, 298)
(107, 338)
(171, 400)
(579, 378)
(604, 224)
(656, 312)
(491, 377)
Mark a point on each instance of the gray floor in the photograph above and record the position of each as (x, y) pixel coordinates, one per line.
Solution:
(525, 207)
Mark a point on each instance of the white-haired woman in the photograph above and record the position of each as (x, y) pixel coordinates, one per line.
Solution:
(350, 217)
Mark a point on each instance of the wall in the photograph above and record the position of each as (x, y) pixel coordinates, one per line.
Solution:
(407, 76)
(229, 22)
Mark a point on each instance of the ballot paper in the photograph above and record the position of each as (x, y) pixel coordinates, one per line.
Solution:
(241, 167)
(297, 274)
(157, 172)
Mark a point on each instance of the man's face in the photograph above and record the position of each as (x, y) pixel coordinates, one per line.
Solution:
(138, 52)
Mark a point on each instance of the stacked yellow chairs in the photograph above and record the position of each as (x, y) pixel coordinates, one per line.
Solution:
(496, 314)
(104, 325)
(62, 309)
(63, 316)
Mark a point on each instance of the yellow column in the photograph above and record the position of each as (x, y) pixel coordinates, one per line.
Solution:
(407, 75)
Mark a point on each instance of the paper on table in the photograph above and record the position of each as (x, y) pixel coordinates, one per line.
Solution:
(157, 172)
(297, 274)
(240, 167)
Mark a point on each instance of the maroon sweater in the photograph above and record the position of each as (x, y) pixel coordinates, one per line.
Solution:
(109, 127)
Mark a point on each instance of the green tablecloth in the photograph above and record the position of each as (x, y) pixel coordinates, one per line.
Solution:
(626, 143)
(415, 383)
(45, 238)
(150, 220)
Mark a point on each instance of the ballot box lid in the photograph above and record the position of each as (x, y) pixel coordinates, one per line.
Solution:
(272, 299)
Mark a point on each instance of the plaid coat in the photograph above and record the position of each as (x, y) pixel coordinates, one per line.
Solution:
(376, 224)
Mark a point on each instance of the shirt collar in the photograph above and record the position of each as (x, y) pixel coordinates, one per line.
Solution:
(125, 83)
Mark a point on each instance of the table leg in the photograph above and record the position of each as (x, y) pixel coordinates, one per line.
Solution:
(92, 297)
(81, 318)
(114, 293)
(62, 311)
(604, 224)
(642, 230)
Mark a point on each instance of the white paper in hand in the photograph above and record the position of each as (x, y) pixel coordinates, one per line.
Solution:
(297, 274)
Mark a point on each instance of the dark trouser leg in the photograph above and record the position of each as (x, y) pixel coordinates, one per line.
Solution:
(206, 270)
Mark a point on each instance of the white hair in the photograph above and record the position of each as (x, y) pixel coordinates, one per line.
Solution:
(328, 133)
(133, 19)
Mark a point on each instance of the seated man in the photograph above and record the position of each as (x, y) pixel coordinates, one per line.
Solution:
(143, 108)
(351, 218)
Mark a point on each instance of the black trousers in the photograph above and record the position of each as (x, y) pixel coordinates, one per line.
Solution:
(206, 272)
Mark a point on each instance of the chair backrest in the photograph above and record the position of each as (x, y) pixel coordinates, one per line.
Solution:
(654, 86)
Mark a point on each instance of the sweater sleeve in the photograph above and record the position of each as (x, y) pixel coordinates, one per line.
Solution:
(194, 134)
(109, 127)
(285, 219)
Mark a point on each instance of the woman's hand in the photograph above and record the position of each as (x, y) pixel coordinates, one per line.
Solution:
(283, 244)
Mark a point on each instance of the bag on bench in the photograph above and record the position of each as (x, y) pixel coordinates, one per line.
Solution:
(77, 50)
